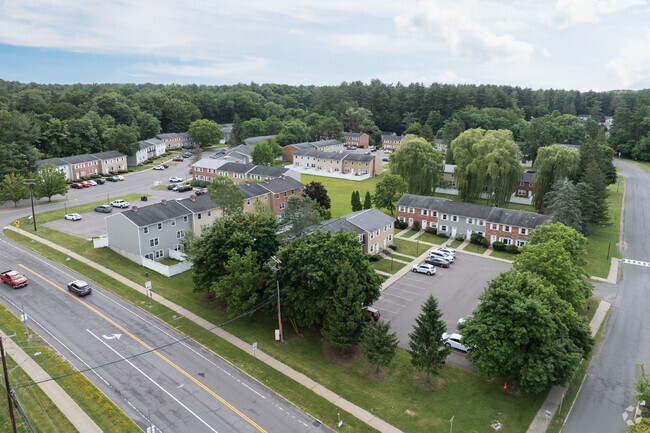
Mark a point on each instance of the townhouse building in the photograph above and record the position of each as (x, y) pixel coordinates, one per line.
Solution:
(357, 139)
(148, 149)
(523, 188)
(391, 142)
(176, 140)
(373, 228)
(207, 169)
(512, 227)
(339, 162)
(89, 164)
(321, 145)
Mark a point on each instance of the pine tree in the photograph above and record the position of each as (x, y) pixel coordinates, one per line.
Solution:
(426, 345)
(367, 201)
(356, 201)
(586, 210)
(595, 178)
(378, 343)
(236, 133)
(564, 203)
(343, 324)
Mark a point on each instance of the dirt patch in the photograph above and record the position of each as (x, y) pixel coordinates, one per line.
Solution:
(420, 381)
(340, 357)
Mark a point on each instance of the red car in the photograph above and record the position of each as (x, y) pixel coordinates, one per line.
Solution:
(85, 184)
(165, 165)
(77, 186)
(178, 158)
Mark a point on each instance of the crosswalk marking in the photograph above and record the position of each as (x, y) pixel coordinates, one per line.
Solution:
(637, 262)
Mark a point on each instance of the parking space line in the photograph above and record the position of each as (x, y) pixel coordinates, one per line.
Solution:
(386, 309)
(397, 296)
(391, 302)
(401, 290)
(411, 285)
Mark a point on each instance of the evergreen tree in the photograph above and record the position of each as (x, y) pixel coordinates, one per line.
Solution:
(378, 344)
(356, 201)
(426, 345)
(564, 202)
(236, 133)
(343, 324)
(367, 201)
(585, 192)
(595, 178)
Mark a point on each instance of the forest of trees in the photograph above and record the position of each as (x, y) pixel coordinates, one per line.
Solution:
(39, 120)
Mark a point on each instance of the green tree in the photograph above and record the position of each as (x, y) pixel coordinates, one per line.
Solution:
(309, 274)
(13, 188)
(49, 181)
(242, 285)
(299, 216)
(552, 163)
(226, 195)
(367, 201)
(205, 132)
(585, 193)
(388, 190)
(643, 386)
(148, 126)
(564, 203)
(594, 177)
(178, 115)
(122, 138)
(539, 133)
(418, 163)
(426, 344)
(344, 321)
(328, 128)
(355, 201)
(19, 159)
(378, 344)
(523, 332)
(266, 151)
(573, 242)
(236, 136)
(358, 119)
(316, 191)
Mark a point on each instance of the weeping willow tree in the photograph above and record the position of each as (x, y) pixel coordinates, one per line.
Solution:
(469, 176)
(553, 163)
(418, 163)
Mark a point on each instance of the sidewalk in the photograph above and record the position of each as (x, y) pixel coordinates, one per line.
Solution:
(59, 397)
(556, 394)
(333, 398)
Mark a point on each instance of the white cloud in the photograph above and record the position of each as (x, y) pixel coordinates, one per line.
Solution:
(206, 70)
(417, 77)
(472, 30)
(566, 13)
(379, 42)
(631, 67)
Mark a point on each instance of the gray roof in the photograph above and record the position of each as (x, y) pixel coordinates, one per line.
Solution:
(572, 146)
(518, 218)
(351, 156)
(209, 163)
(226, 127)
(465, 209)
(252, 141)
(359, 222)
(56, 161)
(388, 133)
(529, 176)
(279, 184)
(76, 159)
(150, 142)
(266, 170)
(174, 135)
(315, 145)
(108, 154)
(320, 154)
(155, 213)
(236, 167)
(353, 134)
(252, 189)
(242, 148)
(450, 168)
(392, 137)
(335, 225)
(197, 204)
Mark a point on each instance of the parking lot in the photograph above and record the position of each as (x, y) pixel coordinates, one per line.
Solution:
(456, 288)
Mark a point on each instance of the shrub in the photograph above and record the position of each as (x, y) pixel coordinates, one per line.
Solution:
(416, 226)
(374, 258)
(432, 230)
(393, 247)
(498, 246)
(199, 183)
(400, 225)
(475, 238)
(512, 249)
(443, 235)
(483, 242)
(460, 238)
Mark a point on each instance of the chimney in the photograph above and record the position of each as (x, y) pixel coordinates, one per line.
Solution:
(268, 164)
(283, 176)
(248, 182)
(134, 208)
(192, 197)
(163, 201)
(266, 180)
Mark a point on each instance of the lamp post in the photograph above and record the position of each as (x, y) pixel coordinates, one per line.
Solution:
(276, 268)
(31, 182)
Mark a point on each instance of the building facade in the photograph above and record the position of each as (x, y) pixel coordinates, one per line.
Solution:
(391, 142)
(207, 169)
(322, 145)
(374, 229)
(357, 139)
(339, 162)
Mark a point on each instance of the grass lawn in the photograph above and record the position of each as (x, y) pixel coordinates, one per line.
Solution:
(411, 234)
(473, 248)
(410, 248)
(401, 257)
(515, 206)
(456, 243)
(431, 238)
(387, 265)
(398, 394)
(40, 408)
(502, 255)
(598, 241)
(340, 191)
(159, 188)
(156, 161)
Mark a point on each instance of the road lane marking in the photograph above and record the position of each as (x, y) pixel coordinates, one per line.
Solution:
(152, 381)
(148, 347)
(636, 262)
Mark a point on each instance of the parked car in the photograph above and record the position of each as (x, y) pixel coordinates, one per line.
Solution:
(183, 188)
(175, 179)
(178, 159)
(448, 250)
(165, 165)
(436, 253)
(112, 179)
(385, 159)
(186, 155)
(14, 278)
(461, 323)
(104, 208)
(119, 177)
(72, 217)
(425, 268)
(453, 340)
(76, 186)
(79, 288)
(100, 181)
(159, 167)
(373, 313)
(92, 183)
(373, 149)
(437, 261)
(120, 203)
(201, 191)
(172, 187)
(85, 184)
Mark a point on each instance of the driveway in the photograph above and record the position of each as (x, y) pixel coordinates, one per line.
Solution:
(456, 288)
(91, 224)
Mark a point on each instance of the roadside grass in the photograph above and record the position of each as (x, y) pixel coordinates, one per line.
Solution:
(402, 256)
(159, 188)
(397, 394)
(387, 265)
(557, 422)
(91, 400)
(176, 289)
(37, 203)
(589, 309)
(156, 161)
(503, 255)
(431, 238)
(340, 191)
(598, 241)
(410, 248)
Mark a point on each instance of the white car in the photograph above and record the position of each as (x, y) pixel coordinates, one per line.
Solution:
(436, 253)
(453, 340)
(425, 268)
(92, 183)
(73, 217)
(159, 167)
(118, 177)
(120, 203)
(447, 250)
(175, 179)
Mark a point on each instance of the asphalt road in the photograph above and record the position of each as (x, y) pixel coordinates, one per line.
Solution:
(456, 288)
(604, 401)
(186, 387)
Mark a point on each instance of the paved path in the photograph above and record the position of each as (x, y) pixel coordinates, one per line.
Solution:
(337, 400)
(59, 397)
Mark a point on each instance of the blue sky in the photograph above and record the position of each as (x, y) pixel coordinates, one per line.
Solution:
(570, 44)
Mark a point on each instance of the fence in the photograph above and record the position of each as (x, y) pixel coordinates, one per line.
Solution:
(168, 271)
(100, 242)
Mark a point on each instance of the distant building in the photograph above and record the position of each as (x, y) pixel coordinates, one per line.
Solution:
(338, 162)
(149, 149)
(226, 130)
(357, 139)
(207, 169)
(176, 140)
(252, 141)
(391, 142)
(321, 145)
(90, 164)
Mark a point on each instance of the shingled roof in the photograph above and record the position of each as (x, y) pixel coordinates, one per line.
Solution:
(155, 213)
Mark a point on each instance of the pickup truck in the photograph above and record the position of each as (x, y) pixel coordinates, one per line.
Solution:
(120, 203)
(14, 278)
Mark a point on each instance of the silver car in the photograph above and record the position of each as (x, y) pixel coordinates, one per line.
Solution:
(425, 268)
(436, 253)
(453, 340)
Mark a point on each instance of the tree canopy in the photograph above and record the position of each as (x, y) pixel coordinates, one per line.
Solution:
(418, 163)
(552, 164)
(226, 195)
(205, 132)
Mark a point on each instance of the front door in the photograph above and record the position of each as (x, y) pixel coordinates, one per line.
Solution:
(453, 232)
(469, 233)
(410, 222)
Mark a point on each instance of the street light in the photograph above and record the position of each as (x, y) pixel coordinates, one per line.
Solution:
(276, 268)
(31, 182)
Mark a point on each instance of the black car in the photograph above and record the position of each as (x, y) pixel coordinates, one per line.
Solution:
(100, 181)
(201, 191)
(104, 208)
(171, 186)
(112, 179)
(183, 188)
(79, 288)
(437, 261)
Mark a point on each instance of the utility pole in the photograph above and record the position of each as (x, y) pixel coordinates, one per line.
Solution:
(276, 268)
(31, 182)
(4, 368)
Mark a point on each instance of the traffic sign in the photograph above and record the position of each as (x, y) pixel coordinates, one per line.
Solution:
(17, 223)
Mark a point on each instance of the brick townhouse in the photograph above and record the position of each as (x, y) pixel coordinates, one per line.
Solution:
(89, 164)
(512, 227)
(275, 192)
(391, 142)
(358, 139)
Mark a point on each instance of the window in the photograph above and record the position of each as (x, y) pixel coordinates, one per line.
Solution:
(159, 226)
(506, 241)
(159, 254)
(185, 218)
(481, 222)
(153, 242)
(443, 228)
(521, 183)
(411, 210)
(444, 216)
(277, 196)
(401, 219)
(470, 220)
(454, 218)
(372, 235)
(248, 201)
(494, 226)
(199, 216)
(434, 213)
(402, 209)
(179, 247)
(360, 238)
(521, 242)
(372, 248)
(209, 213)
(173, 222)
(425, 212)
(390, 237)
(282, 205)
(523, 231)
(145, 230)
(180, 234)
(507, 229)
(390, 226)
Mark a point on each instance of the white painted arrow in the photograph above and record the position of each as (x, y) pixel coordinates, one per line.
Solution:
(106, 337)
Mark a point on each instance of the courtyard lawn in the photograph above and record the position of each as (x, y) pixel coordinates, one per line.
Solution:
(387, 265)
(410, 248)
(411, 234)
(598, 241)
(456, 243)
(503, 255)
(474, 248)
(431, 238)
(401, 257)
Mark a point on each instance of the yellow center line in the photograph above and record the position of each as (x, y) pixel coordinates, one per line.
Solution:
(183, 372)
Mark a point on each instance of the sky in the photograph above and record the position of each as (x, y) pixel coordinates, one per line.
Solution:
(567, 44)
